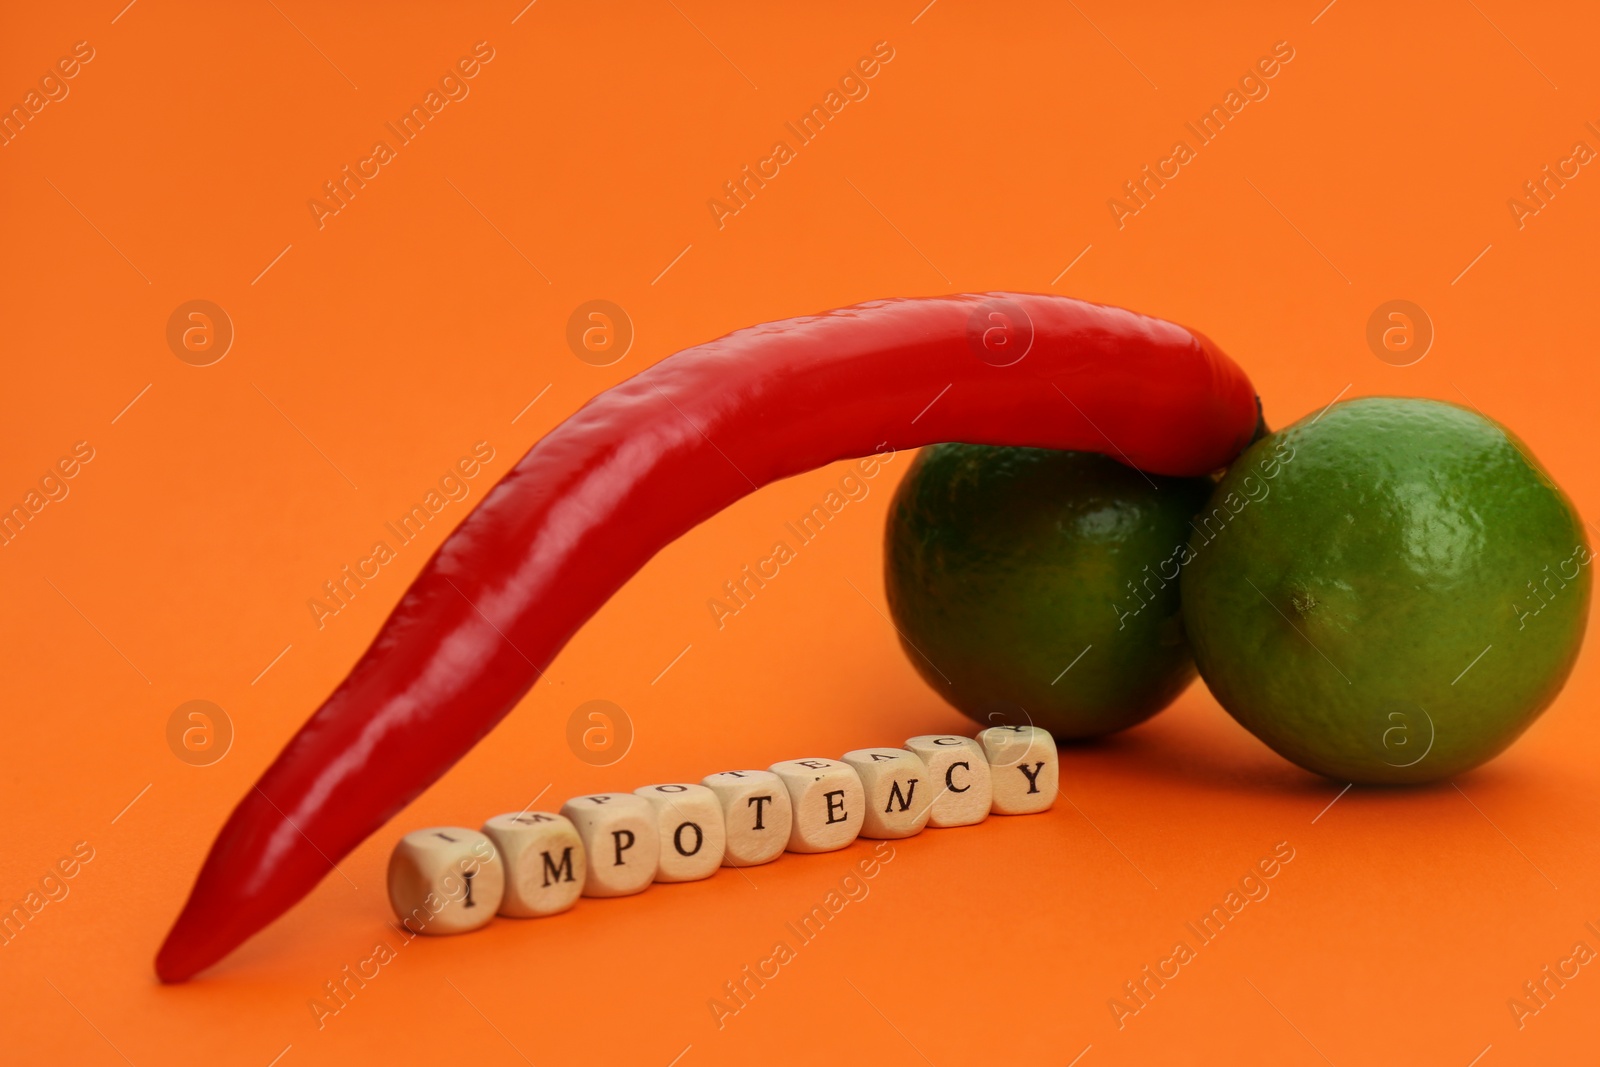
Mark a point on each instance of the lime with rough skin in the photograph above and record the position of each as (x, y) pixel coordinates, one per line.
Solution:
(1389, 592)
(1036, 585)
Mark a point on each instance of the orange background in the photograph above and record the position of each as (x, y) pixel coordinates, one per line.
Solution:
(420, 320)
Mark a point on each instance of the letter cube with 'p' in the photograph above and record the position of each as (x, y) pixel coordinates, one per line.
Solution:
(621, 840)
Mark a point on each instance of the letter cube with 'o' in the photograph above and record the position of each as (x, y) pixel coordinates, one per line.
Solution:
(544, 861)
(620, 839)
(689, 828)
(1023, 763)
(756, 813)
(898, 790)
(959, 771)
(829, 804)
(445, 880)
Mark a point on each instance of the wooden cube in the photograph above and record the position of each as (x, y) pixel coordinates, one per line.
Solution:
(828, 802)
(445, 880)
(544, 860)
(898, 790)
(959, 770)
(620, 841)
(756, 813)
(689, 827)
(1023, 764)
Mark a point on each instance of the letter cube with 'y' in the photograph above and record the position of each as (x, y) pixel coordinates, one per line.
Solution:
(544, 861)
(959, 772)
(756, 813)
(620, 839)
(827, 800)
(445, 880)
(1023, 763)
(689, 828)
(898, 789)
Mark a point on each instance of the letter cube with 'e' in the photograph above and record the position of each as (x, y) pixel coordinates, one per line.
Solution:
(689, 828)
(898, 790)
(620, 840)
(445, 880)
(544, 860)
(959, 771)
(756, 814)
(828, 802)
(1024, 766)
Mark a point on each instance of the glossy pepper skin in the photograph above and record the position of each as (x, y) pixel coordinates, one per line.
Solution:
(641, 464)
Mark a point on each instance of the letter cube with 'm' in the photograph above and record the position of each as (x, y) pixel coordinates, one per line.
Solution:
(620, 841)
(828, 803)
(544, 861)
(1023, 763)
(959, 772)
(689, 828)
(898, 791)
(445, 880)
(756, 813)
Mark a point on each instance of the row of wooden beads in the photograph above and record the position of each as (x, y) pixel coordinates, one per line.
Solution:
(447, 880)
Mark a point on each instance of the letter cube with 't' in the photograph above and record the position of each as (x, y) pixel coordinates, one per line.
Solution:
(756, 814)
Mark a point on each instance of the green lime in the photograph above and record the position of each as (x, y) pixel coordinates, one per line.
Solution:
(1391, 591)
(1041, 586)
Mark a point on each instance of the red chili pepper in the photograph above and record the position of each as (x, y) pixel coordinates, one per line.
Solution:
(648, 460)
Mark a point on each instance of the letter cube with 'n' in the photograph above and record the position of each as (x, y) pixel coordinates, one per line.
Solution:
(898, 792)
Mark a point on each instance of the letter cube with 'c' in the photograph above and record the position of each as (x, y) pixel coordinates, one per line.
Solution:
(959, 773)
(1024, 766)
(898, 790)
(828, 802)
(620, 840)
(689, 829)
(756, 813)
(544, 861)
(445, 880)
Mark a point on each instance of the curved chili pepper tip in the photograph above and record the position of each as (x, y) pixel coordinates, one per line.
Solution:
(641, 464)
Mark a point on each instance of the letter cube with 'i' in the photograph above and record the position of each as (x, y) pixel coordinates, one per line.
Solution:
(544, 860)
(620, 839)
(829, 804)
(959, 770)
(689, 828)
(445, 880)
(756, 814)
(1024, 766)
(898, 791)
